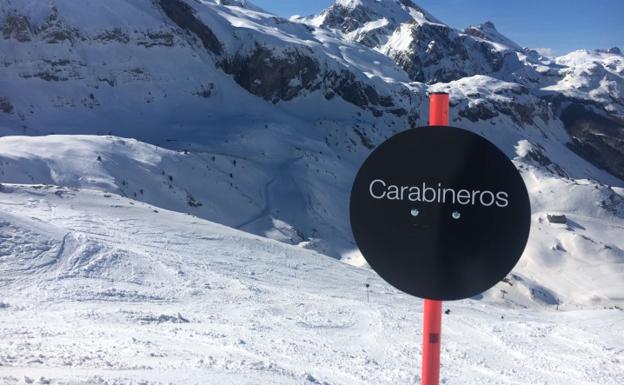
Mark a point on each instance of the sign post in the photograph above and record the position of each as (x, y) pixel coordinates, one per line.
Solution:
(442, 214)
(432, 313)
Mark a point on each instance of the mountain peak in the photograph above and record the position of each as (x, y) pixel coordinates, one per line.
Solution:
(394, 11)
(489, 25)
(613, 50)
(369, 3)
(241, 3)
(487, 31)
(371, 22)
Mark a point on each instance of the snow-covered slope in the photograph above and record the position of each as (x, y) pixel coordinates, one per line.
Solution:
(558, 268)
(261, 122)
(588, 95)
(596, 76)
(277, 193)
(102, 289)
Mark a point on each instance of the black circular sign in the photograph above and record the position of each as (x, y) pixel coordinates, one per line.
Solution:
(440, 213)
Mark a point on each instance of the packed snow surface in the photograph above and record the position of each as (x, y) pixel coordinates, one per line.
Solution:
(101, 289)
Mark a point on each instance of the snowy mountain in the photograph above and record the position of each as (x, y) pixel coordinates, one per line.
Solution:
(244, 84)
(585, 88)
(428, 50)
(153, 152)
(259, 123)
(368, 22)
(226, 56)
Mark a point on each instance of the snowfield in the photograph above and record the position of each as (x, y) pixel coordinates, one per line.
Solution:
(573, 265)
(101, 289)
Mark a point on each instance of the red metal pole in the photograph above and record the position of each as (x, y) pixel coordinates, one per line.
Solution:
(432, 316)
(439, 109)
(432, 325)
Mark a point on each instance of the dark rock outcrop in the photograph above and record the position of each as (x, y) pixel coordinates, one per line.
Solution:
(184, 17)
(285, 75)
(113, 35)
(347, 87)
(477, 112)
(596, 137)
(5, 105)
(557, 218)
(438, 53)
(274, 77)
(17, 27)
(55, 31)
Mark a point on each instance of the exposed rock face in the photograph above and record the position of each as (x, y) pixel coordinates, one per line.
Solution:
(346, 19)
(283, 76)
(17, 27)
(113, 35)
(476, 112)
(157, 38)
(274, 74)
(357, 19)
(280, 76)
(437, 53)
(5, 105)
(478, 32)
(273, 77)
(362, 95)
(488, 32)
(613, 50)
(521, 114)
(483, 98)
(55, 31)
(184, 17)
(240, 3)
(595, 137)
(557, 218)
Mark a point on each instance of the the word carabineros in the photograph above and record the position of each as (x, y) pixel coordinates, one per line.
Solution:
(379, 189)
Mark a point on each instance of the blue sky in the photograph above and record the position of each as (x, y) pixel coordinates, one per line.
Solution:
(559, 25)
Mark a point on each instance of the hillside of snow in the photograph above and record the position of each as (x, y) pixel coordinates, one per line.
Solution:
(283, 148)
(562, 265)
(98, 288)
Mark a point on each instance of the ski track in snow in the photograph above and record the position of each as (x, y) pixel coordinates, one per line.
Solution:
(121, 292)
